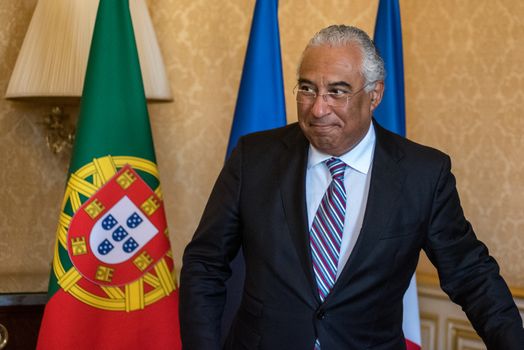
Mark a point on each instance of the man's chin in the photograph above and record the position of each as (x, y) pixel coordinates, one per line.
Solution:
(324, 144)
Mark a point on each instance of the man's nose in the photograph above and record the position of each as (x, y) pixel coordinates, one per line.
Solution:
(320, 107)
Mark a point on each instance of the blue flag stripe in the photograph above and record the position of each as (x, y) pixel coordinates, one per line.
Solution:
(388, 40)
(260, 103)
(391, 115)
(260, 106)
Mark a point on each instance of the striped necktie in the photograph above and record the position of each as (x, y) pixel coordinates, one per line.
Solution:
(326, 231)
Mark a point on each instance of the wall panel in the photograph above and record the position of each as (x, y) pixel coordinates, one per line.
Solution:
(464, 94)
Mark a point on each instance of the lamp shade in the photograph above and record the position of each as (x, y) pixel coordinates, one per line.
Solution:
(52, 62)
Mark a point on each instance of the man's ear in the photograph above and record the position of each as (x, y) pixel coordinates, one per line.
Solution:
(376, 95)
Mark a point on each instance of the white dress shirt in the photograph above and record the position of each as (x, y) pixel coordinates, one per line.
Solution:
(356, 181)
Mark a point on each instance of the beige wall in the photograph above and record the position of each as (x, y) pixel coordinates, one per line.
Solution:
(464, 85)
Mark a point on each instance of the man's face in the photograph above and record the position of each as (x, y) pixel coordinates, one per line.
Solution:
(327, 69)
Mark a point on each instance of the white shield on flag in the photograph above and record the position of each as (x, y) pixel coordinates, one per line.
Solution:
(122, 231)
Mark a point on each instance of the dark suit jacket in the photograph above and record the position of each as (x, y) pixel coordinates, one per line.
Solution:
(258, 203)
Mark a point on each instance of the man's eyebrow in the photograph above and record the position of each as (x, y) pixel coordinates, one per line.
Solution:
(335, 83)
(340, 83)
(304, 81)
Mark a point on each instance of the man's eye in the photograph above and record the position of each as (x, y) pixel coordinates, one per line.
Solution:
(338, 92)
(306, 88)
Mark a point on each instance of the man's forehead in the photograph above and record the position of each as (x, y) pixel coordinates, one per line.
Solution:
(325, 81)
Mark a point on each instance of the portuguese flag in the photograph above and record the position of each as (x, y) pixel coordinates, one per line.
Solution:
(112, 284)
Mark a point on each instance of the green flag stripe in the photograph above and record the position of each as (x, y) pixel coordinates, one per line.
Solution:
(113, 117)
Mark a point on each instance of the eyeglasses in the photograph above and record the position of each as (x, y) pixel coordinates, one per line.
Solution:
(333, 99)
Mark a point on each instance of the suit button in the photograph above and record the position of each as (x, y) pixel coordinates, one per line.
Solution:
(321, 314)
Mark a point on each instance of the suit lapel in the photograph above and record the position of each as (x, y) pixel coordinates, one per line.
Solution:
(385, 187)
(293, 165)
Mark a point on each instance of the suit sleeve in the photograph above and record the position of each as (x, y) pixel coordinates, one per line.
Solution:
(206, 261)
(468, 274)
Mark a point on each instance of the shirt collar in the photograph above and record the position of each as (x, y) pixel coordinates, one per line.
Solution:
(359, 157)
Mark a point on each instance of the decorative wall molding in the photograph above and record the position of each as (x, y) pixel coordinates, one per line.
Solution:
(444, 326)
(461, 336)
(429, 330)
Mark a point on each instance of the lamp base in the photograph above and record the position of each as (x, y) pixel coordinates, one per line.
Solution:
(60, 132)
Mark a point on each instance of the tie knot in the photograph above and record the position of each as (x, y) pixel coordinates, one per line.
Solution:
(336, 168)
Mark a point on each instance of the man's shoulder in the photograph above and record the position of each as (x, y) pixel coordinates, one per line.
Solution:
(264, 149)
(405, 147)
(286, 136)
(284, 132)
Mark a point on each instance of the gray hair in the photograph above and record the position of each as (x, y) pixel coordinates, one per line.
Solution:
(372, 68)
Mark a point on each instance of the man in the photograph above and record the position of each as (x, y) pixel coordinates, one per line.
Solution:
(331, 214)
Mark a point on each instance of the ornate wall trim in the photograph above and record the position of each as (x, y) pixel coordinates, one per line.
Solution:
(444, 326)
